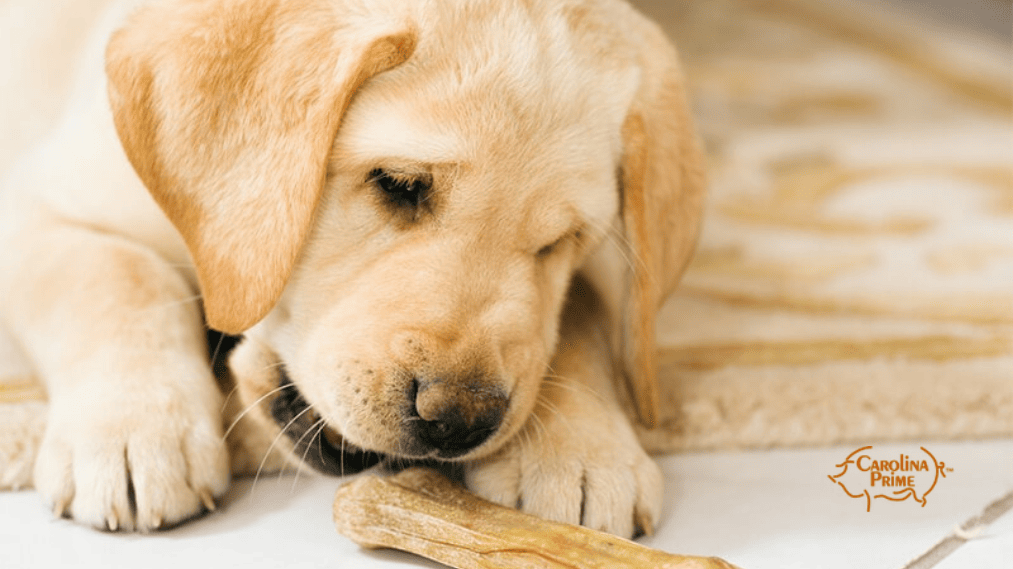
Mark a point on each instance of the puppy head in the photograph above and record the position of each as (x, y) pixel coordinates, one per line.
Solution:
(404, 272)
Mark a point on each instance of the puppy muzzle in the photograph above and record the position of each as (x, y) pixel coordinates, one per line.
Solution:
(313, 441)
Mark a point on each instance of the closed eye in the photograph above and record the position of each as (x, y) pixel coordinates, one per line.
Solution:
(571, 237)
(402, 190)
(549, 249)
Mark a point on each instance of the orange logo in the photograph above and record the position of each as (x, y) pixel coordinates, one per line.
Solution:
(864, 474)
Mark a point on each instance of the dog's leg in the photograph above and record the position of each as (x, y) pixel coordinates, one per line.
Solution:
(134, 435)
(577, 460)
(22, 415)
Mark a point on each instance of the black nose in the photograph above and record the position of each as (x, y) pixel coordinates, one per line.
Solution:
(454, 418)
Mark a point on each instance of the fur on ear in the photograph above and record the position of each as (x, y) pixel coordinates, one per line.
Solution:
(662, 186)
(227, 111)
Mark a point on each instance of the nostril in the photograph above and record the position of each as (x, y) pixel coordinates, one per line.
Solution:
(440, 430)
(413, 397)
(478, 434)
(454, 436)
(444, 433)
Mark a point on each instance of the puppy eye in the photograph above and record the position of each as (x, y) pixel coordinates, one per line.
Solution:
(548, 249)
(551, 248)
(402, 190)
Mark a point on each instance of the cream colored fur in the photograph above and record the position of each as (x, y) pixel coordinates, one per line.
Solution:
(229, 155)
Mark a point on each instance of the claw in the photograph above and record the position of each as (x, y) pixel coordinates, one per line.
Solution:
(643, 524)
(112, 524)
(208, 499)
(60, 508)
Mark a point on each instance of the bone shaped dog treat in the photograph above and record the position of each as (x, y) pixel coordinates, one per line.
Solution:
(421, 511)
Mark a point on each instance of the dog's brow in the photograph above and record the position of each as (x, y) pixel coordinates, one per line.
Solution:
(383, 132)
(551, 224)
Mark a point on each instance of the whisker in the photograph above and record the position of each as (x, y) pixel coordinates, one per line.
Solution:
(319, 426)
(622, 244)
(612, 233)
(572, 386)
(559, 414)
(526, 440)
(342, 458)
(539, 428)
(550, 369)
(172, 303)
(228, 398)
(270, 447)
(320, 436)
(254, 405)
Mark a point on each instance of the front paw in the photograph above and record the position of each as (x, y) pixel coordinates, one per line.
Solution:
(584, 467)
(133, 461)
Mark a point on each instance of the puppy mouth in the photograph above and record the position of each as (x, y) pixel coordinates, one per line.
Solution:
(315, 443)
(449, 431)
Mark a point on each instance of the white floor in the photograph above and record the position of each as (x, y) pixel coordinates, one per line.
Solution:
(774, 510)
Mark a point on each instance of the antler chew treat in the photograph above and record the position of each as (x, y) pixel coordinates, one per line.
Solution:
(421, 511)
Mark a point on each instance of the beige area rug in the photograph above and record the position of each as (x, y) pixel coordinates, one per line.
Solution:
(855, 276)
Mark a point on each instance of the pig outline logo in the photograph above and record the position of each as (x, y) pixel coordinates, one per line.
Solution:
(898, 495)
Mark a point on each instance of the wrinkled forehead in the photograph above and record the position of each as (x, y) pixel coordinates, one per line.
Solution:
(525, 105)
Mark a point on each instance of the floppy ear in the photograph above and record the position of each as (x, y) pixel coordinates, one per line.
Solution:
(227, 110)
(662, 185)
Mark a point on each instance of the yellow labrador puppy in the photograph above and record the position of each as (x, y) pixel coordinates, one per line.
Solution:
(442, 226)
